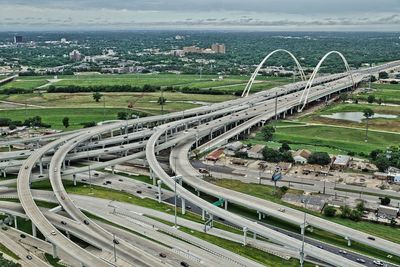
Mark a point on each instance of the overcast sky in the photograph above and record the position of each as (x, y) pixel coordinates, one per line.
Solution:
(363, 15)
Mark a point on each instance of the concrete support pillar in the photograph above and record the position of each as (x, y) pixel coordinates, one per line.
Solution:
(74, 179)
(284, 114)
(68, 234)
(15, 222)
(226, 204)
(198, 192)
(63, 165)
(348, 241)
(154, 181)
(34, 232)
(159, 183)
(254, 235)
(4, 173)
(41, 166)
(259, 215)
(245, 236)
(203, 215)
(112, 133)
(183, 206)
(54, 251)
(113, 169)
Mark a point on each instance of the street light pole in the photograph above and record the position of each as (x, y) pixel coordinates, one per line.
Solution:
(175, 178)
(303, 230)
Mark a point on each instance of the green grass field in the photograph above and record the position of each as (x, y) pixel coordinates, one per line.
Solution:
(389, 93)
(380, 124)
(54, 116)
(229, 83)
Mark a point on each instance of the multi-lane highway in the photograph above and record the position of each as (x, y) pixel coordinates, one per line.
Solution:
(205, 127)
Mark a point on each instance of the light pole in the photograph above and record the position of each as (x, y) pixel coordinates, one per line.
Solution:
(303, 230)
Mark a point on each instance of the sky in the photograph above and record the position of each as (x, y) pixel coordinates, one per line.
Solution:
(291, 15)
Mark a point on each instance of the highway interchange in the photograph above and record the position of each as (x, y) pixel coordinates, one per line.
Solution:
(203, 128)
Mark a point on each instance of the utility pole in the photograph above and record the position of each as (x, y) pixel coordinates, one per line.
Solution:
(104, 107)
(276, 106)
(303, 230)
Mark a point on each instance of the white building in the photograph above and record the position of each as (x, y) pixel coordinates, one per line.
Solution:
(301, 156)
(232, 148)
(75, 55)
(256, 152)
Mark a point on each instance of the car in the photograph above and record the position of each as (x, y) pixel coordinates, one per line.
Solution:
(55, 169)
(86, 222)
(371, 238)
(281, 210)
(184, 264)
(120, 180)
(139, 191)
(22, 235)
(63, 223)
(360, 260)
(4, 228)
(62, 197)
(321, 247)
(29, 257)
(96, 174)
(378, 263)
(116, 241)
(162, 255)
(53, 233)
(26, 167)
(108, 182)
(343, 252)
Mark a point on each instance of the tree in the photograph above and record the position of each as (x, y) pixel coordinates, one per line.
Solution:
(161, 100)
(368, 113)
(360, 206)
(271, 155)
(385, 201)
(379, 101)
(382, 162)
(267, 132)
(355, 215)
(345, 211)
(374, 153)
(373, 78)
(330, 211)
(371, 99)
(122, 115)
(97, 96)
(284, 147)
(383, 75)
(343, 97)
(65, 122)
(286, 156)
(320, 158)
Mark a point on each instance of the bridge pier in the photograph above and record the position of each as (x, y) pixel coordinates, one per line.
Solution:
(245, 229)
(15, 222)
(54, 250)
(183, 204)
(74, 179)
(113, 169)
(41, 166)
(34, 231)
(348, 241)
(203, 215)
(226, 204)
(159, 183)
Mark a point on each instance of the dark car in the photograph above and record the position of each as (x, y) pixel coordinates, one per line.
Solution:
(162, 255)
(116, 241)
(22, 235)
(86, 222)
(29, 257)
(184, 264)
(63, 223)
(371, 238)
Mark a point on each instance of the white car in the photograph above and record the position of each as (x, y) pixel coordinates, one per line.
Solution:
(378, 263)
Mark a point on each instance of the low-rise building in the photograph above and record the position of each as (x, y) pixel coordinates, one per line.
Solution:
(215, 155)
(256, 152)
(232, 148)
(380, 175)
(301, 156)
(388, 212)
(341, 162)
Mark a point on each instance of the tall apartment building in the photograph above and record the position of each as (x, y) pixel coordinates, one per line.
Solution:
(218, 48)
(75, 55)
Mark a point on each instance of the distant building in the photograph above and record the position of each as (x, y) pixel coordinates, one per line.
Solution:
(192, 49)
(215, 155)
(75, 55)
(232, 148)
(218, 48)
(341, 162)
(17, 39)
(63, 40)
(380, 175)
(301, 156)
(256, 152)
(388, 212)
(178, 53)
